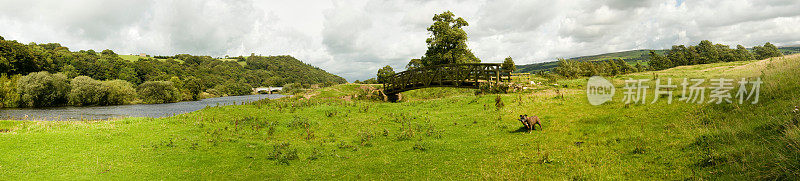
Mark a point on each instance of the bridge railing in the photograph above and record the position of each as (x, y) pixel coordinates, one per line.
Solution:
(448, 75)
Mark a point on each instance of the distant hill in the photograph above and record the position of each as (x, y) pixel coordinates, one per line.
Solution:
(790, 49)
(255, 71)
(631, 56)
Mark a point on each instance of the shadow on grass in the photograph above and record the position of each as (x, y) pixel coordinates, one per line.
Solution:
(522, 129)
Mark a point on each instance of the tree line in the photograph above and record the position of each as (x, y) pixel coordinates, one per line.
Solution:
(26, 68)
(707, 52)
(679, 55)
(573, 68)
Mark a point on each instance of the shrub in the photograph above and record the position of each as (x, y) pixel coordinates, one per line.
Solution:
(214, 92)
(237, 89)
(8, 92)
(293, 88)
(283, 153)
(492, 88)
(42, 89)
(119, 92)
(86, 91)
(498, 102)
(157, 92)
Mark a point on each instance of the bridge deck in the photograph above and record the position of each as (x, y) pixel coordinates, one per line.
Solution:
(468, 75)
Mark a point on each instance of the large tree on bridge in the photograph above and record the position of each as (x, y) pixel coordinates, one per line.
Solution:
(448, 42)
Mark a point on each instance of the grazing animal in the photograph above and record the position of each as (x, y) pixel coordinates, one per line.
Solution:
(530, 122)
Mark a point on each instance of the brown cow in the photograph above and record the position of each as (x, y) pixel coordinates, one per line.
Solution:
(530, 122)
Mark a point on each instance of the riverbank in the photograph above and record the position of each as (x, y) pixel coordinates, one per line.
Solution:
(454, 135)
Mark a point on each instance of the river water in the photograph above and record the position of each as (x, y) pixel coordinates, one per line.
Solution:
(137, 110)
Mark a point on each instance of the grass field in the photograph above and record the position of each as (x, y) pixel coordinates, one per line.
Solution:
(435, 133)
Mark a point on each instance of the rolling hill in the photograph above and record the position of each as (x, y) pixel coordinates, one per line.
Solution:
(631, 56)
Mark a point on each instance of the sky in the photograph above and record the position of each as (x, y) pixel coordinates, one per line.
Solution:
(354, 38)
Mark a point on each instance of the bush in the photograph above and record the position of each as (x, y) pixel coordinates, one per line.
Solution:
(293, 88)
(87, 91)
(119, 92)
(492, 88)
(42, 89)
(233, 89)
(157, 92)
(8, 92)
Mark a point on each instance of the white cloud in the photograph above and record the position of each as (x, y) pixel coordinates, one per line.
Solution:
(355, 38)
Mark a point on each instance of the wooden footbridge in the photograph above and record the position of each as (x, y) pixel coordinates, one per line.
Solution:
(467, 75)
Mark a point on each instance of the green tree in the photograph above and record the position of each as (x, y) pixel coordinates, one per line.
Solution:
(677, 55)
(448, 41)
(708, 52)
(119, 92)
(87, 91)
(624, 66)
(742, 53)
(658, 62)
(108, 52)
(414, 63)
(567, 68)
(384, 73)
(508, 64)
(194, 85)
(177, 82)
(8, 91)
(639, 67)
(234, 88)
(767, 51)
(157, 92)
(129, 74)
(41, 89)
(69, 71)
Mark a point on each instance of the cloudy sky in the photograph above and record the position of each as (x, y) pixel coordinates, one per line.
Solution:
(355, 38)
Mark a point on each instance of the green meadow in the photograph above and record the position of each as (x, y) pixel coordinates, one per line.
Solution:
(340, 132)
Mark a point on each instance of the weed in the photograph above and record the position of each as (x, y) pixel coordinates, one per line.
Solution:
(283, 153)
(406, 133)
(343, 145)
(546, 159)
(309, 134)
(498, 102)
(365, 138)
(419, 147)
(315, 154)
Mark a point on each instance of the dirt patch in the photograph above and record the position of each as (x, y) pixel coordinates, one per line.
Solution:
(309, 96)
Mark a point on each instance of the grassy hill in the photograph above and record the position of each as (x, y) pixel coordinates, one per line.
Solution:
(436, 133)
(631, 56)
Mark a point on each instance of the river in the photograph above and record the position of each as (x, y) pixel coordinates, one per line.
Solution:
(71, 113)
